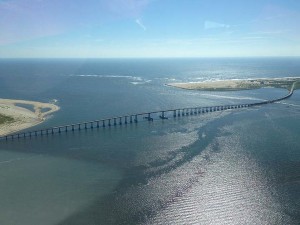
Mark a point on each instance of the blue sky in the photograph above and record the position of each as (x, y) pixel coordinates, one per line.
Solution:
(149, 28)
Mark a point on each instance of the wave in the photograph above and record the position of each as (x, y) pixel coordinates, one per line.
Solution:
(109, 76)
(288, 104)
(233, 97)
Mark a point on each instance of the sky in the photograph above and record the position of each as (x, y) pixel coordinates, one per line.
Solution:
(148, 28)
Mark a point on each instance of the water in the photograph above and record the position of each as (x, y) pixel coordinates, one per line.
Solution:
(239, 167)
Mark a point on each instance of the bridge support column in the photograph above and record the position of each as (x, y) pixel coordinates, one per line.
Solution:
(103, 123)
(92, 125)
(109, 124)
(79, 126)
(126, 120)
(115, 122)
(178, 114)
(66, 129)
(174, 113)
(135, 119)
(120, 121)
(59, 131)
(130, 119)
(72, 127)
(97, 124)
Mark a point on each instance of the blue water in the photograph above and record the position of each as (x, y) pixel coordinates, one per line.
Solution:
(238, 167)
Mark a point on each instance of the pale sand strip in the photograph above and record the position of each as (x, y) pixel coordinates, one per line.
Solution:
(24, 118)
(237, 84)
(208, 85)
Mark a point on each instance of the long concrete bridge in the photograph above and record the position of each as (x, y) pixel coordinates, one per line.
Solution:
(135, 118)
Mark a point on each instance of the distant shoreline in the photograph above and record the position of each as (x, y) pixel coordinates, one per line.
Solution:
(237, 85)
(21, 117)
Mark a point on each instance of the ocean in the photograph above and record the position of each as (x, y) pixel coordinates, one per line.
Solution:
(232, 167)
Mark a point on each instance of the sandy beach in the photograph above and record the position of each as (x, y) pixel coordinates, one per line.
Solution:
(22, 117)
(232, 85)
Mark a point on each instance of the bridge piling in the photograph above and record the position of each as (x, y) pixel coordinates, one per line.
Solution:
(175, 112)
(135, 119)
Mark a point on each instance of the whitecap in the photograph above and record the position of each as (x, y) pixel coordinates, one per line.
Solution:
(109, 76)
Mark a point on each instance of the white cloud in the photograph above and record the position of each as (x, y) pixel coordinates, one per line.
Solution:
(139, 22)
(214, 25)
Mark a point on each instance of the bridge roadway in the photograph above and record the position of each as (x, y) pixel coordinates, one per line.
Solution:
(134, 118)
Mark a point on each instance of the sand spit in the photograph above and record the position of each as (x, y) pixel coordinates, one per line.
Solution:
(22, 117)
(232, 85)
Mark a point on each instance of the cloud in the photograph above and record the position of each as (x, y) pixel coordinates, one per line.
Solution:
(139, 22)
(214, 25)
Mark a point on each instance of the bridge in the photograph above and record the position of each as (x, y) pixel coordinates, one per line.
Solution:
(135, 118)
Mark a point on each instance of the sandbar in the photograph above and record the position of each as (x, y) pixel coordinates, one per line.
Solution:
(22, 117)
(239, 84)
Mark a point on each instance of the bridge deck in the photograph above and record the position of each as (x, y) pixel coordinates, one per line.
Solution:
(133, 118)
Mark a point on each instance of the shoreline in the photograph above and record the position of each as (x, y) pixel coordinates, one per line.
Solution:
(23, 118)
(238, 84)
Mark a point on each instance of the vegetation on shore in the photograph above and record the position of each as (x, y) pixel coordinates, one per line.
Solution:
(297, 85)
(235, 85)
(6, 119)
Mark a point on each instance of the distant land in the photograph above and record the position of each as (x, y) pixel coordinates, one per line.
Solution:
(240, 84)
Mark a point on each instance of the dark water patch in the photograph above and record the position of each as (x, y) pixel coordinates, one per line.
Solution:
(43, 110)
(26, 106)
(122, 203)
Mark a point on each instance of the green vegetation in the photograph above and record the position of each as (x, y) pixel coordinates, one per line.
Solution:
(297, 85)
(275, 83)
(6, 119)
